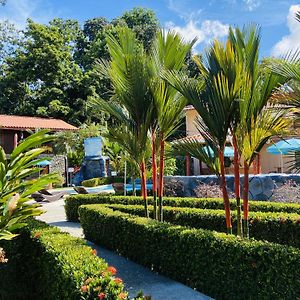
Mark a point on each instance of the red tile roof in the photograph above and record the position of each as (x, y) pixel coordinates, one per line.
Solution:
(23, 123)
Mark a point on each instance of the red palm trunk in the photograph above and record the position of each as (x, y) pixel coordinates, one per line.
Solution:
(154, 174)
(144, 188)
(161, 178)
(246, 199)
(225, 193)
(236, 161)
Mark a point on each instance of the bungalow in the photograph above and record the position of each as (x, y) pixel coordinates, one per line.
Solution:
(15, 128)
(265, 163)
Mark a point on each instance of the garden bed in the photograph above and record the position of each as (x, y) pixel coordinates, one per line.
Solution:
(282, 228)
(72, 203)
(45, 263)
(219, 265)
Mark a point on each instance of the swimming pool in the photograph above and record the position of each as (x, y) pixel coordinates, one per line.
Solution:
(108, 188)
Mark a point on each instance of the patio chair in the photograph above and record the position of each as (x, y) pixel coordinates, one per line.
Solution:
(38, 197)
(80, 190)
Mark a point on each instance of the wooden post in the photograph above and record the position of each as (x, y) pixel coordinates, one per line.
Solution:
(188, 165)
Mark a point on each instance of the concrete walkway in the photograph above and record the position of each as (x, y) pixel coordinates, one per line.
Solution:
(135, 277)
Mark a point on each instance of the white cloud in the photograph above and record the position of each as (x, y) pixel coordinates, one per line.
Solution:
(18, 11)
(291, 41)
(251, 4)
(204, 31)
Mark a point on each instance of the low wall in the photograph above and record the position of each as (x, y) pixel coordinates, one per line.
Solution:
(261, 187)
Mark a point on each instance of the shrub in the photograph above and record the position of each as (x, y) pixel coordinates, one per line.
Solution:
(210, 190)
(96, 181)
(288, 192)
(72, 203)
(174, 188)
(45, 263)
(101, 181)
(216, 264)
(282, 228)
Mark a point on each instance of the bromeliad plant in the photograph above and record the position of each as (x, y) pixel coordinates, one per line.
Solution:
(17, 183)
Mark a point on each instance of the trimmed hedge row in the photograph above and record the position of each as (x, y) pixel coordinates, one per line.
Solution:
(45, 263)
(282, 228)
(216, 264)
(72, 203)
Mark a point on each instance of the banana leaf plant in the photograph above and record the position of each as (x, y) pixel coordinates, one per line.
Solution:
(18, 180)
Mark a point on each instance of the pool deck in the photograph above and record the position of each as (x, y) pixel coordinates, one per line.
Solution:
(135, 277)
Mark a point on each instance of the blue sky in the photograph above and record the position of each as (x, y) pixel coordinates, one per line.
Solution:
(206, 19)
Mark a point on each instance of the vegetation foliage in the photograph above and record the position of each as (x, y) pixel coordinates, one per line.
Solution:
(215, 256)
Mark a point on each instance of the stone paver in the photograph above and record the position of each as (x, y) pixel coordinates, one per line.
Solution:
(135, 277)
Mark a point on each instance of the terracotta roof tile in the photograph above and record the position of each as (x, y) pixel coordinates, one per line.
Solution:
(23, 123)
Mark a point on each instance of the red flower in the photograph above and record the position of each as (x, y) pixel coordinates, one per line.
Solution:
(122, 296)
(101, 296)
(118, 280)
(37, 235)
(112, 270)
(84, 288)
(94, 251)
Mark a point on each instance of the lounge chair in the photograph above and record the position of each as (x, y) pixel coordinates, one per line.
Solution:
(80, 190)
(45, 192)
(39, 197)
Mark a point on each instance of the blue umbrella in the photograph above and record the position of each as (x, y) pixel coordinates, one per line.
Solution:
(284, 147)
(229, 152)
(43, 163)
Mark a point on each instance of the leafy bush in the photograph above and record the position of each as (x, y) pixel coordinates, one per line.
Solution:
(101, 181)
(72, 203)
(96, 181)
(282, 228)
(219, 265)
(45, 263)
(174, 188)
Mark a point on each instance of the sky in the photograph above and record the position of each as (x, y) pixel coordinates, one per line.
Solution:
(204, 19)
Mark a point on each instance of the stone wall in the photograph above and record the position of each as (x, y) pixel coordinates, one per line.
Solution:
(261, 187)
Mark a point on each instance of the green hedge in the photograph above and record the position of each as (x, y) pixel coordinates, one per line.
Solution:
(72, 203)
(282, 228)
(216, 264)
(45, 263)
(101, 181)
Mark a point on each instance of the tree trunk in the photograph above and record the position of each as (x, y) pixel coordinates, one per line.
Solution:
(246, 200)
(236, 162)
(144, 188)
(154, 175)
(225, 193)
(161, 178)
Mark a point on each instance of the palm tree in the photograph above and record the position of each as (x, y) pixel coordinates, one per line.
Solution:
(168, 53)
(214, 98)
(130, 72)
(252, 123)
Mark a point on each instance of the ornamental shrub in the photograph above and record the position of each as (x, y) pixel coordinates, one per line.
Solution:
(219, 265)
(282, 228)
(72, 203)
(45, 263)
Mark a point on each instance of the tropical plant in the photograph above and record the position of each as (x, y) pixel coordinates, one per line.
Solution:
(233, 102)
(168, 53)
(214, 98)
(131, 104)
(17, 183)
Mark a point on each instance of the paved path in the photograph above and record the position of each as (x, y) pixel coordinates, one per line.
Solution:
(135, 277)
